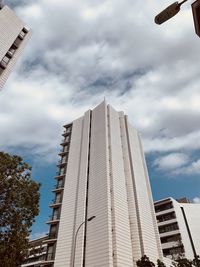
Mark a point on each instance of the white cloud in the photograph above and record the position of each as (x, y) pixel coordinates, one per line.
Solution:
(81, 51)
(196, 200)
(171, 161)
(192, 169)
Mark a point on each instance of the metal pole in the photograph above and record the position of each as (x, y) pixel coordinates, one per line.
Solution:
(75, 238)
(74, 247)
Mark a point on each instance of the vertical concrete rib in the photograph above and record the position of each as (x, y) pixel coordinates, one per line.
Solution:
(133, 215)
(99, 231)
(134, 189)
(86, 197)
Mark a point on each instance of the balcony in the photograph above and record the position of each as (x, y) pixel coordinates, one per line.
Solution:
(60, 176)
(10, 53)
(59, 187)
(62, 163)
(49, 258)
(3, 64)
(169, 233)
(66, 132)
(172, 220)
(65, 140)
(56, 203)
(21, 35)
(16, 43)
(52, 237)
(53, 219)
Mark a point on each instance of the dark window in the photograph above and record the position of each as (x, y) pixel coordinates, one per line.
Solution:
(162, 207)
(166, 217)
(168, 228)
(171, 238)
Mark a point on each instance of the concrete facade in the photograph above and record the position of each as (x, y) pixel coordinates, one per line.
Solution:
(172, 219)
(13, 38)
(36, 252)
(103, 174)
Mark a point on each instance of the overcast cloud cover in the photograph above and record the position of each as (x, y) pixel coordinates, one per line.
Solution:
(80, 52)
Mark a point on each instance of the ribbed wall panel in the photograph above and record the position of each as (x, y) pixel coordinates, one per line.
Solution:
(143, 198)
(123, 247)
(133, 220)
(99, 235)
(73, 206)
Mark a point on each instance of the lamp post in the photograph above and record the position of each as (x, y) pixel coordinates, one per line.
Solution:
(75, 238)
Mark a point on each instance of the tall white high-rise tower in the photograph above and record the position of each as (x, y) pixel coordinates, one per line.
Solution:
(13, 38)
(102, 173)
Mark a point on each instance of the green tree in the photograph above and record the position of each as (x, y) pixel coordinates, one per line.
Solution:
(160, 264)
(145, 262)
(183, 262)
(19, 204)
(196, 261)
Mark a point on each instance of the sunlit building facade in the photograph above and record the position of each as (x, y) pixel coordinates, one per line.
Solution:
(179, 227)
(13, 38)
(102, 173)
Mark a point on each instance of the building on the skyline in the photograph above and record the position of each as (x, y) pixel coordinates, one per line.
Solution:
(13, 38)
(36, 252)
(102, 173)
(179, 227)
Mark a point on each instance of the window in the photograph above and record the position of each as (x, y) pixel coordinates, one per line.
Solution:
(10, 52)
(162, 207)
(53, 231)
(171, 238)
(58, 198)
(65, 148)
(62, 171)
(50, 252)
(64, 159)
(60, 184)
(4, 62)
(56, 214)
(166, 217)
(168, 228)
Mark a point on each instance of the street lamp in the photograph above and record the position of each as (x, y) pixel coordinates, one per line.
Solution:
(168, 12)
(75, 238)
(174, 8)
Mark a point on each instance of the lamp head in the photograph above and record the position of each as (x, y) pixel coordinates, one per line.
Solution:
(91, 218)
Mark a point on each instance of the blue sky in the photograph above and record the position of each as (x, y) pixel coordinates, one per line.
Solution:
(83, 51)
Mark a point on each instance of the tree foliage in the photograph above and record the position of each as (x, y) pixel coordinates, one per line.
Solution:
(160, 264)
(183, 262)
(196, 261)
(19, 204)
(145, 262)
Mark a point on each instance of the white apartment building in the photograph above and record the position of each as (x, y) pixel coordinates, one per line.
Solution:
(179, 227)
(36, 252)
(102, 173)
(13, 37)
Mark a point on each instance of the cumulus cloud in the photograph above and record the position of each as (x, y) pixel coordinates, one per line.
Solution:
(196, 200)
(171, 161)
(81, 51)
(192, 169)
